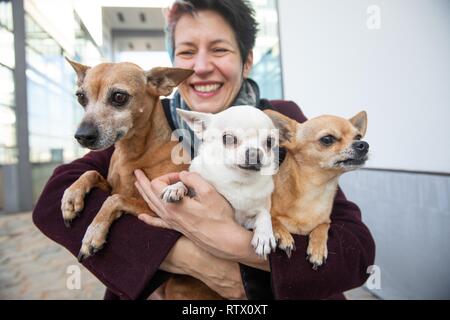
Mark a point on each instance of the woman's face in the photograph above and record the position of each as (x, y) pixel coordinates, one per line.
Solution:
(206, 43)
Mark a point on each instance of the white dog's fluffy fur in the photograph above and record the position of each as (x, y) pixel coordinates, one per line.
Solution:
(237, 158)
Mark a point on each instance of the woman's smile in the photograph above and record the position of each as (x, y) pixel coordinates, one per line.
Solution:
(206, 89)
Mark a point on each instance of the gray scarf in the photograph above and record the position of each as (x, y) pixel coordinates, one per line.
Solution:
(248, 95)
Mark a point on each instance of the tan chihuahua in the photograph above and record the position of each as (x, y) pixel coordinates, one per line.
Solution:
(318, 152)
(122, 108)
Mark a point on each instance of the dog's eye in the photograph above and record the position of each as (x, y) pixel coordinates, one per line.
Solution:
(358, 137)
(229, 140)
(270, 142)
(119, 98)
(82, 98)
(327, 140)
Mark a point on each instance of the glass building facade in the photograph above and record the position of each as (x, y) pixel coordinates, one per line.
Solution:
(266, 70)
(53, 113)
(8, 148)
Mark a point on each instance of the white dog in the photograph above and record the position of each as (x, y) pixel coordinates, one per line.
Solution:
(238, 157)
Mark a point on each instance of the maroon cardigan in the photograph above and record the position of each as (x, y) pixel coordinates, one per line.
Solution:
(128, 264)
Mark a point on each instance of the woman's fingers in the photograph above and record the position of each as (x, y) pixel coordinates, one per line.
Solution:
(157, 184)
(142, 179)
(154, 221)
(170, 178)
(144, 195)
(145, 189)
(195, 181)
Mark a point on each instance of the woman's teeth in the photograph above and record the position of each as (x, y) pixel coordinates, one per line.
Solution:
(207, 88)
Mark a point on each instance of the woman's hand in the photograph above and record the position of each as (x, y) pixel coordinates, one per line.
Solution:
(207, 218)
(222, 276)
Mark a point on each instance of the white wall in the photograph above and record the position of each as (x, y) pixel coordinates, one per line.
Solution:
(333, 63)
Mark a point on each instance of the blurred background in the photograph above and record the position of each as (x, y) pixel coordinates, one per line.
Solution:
(390, 58)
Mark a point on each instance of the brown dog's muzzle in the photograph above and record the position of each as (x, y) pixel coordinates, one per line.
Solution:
(87, 134)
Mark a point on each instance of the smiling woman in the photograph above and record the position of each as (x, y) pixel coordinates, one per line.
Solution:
(206, 43)
(215, 38)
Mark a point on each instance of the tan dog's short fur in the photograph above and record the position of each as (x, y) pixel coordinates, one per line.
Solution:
(307, 181)
(145, 145)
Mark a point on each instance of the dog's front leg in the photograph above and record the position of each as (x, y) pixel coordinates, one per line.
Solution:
(72, 202)
(284, 239)
(317, 245)
(112, 209)
(263, 240)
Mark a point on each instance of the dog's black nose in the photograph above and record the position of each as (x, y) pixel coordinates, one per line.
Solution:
(253, 156)
(361, 147)
(87, 134)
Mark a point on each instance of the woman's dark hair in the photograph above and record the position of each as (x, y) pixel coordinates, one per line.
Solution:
(238, 13)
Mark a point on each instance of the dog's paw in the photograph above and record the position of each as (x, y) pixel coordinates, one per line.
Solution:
(174, 192)
(317, 253)
(285, 241)
(94, 239)
(72, 204)
(263, 243)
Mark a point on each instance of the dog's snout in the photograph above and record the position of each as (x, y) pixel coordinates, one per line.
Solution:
(87, 134)
(361, 147)
(253, 156)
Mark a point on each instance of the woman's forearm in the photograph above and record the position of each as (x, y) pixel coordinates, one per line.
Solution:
(230, 242)
(221, 275)
(244, 251)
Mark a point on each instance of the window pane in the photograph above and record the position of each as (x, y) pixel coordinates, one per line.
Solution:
(267, 64)
(7, 47)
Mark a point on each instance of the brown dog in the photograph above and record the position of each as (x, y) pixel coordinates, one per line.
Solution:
(122, 107)
(318, 152)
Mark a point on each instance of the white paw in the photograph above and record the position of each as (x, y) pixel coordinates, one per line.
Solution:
(93, 240)
(71, 204)
(174, 192)
(264, 243)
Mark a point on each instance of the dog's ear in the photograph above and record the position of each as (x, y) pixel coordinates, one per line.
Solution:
(80, 69)
(197, 121)
(161, 80)
(286, 126)
(360, 122)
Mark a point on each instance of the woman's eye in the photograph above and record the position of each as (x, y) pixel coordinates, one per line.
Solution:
(327, 140)
(119, 98)
(82, 99)
(229, 140)
(220, 51)
(270, 142)
(186, 53)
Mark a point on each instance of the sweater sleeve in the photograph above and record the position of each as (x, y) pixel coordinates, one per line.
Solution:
(128, 264)
(351, 249)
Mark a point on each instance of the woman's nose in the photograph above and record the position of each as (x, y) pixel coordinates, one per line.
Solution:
(203, 64)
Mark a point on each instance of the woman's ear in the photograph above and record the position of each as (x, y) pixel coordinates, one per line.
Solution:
(248, 64)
